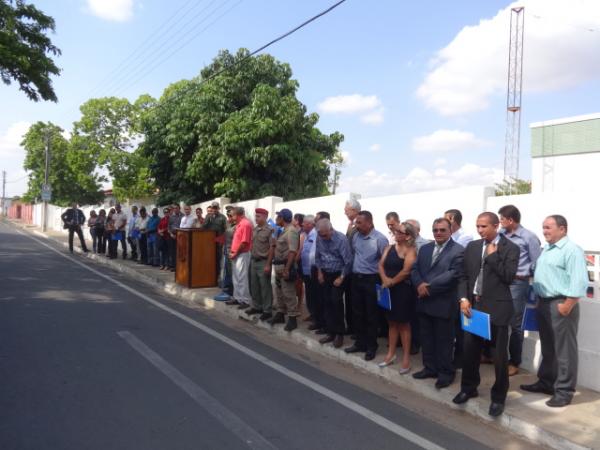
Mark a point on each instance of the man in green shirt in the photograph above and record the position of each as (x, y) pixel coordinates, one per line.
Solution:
(559, 280)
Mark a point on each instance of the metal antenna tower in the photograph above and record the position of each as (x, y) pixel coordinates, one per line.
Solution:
(513, 96)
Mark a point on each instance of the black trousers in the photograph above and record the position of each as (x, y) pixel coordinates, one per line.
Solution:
(437, 342)
(333, 299)
(459, 337)
(314, 297)
(123, 245)
(365, 310)
(172, 251)
(133, 245)
(101, 241)
(348, 313)
(143, 244)
(77, 230)
(472, 357)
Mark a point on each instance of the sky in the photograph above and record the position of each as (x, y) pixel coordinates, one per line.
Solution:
(417, 88)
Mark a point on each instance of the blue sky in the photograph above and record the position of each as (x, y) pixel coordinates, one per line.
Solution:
(417, 88)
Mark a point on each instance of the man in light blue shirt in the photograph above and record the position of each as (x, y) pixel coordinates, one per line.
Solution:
(529, 251)
(312, 289)
(458, 234)
(560, 279)
(368, 245)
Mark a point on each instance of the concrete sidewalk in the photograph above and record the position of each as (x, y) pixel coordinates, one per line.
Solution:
(574, 427)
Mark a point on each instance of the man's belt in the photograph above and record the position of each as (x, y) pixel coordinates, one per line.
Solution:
(259, 258)
(521, 278)
(556, 297)
(365, 275)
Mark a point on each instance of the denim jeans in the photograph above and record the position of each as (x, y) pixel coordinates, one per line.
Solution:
(153, 256)
(519, 290)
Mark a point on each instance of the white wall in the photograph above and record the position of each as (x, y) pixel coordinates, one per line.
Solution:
(565, 173)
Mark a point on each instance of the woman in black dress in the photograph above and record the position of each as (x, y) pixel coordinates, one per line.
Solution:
(394, 270)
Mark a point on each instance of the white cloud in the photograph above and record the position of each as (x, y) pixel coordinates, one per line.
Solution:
(116, 10)
(347, 158)
(12, 155)
(418, 179)
(375, 148)
(448, 141)
(369, 107)
(440, 162)
(560, 51)
(10, 141)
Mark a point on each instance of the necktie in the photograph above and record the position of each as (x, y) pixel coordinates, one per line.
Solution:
(479, 281)
(436, 253)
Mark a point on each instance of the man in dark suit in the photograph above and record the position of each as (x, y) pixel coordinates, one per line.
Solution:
(490, 266)
(436, 274)
(73, 219)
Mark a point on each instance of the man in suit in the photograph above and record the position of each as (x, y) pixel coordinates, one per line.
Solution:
(73, 219)
(490, 266)
(436, 274)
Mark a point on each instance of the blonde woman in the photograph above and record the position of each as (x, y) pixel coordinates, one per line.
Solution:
(394, 269)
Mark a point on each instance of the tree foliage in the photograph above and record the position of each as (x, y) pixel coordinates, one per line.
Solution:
(513, 187)
(71, 170)
(24, 49)
(108, 130)
(240, 133)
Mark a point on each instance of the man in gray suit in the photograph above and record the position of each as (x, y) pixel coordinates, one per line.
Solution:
(436, 274)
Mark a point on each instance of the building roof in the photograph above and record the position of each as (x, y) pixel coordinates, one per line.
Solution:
(564, 120)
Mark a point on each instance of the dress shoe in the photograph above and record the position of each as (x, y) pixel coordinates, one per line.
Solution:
(512, 370)
(354, 337)
(265, 316)
(243, 306)
(423, 374)
(462, 397)
(404, 370)
(338, 341)
(354, 349)
(277, 318)
(387, 363)
(327, 339)
(291, 324)
(496, 409)
(486, 360)
(321, 331)
(557, 402)
(253, 311)
(370, 355)
(232, 302)
(313, 327)
(537, 388)
(441, 384)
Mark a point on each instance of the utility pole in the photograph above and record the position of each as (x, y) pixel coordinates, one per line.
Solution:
(513, 97)
(4, 193)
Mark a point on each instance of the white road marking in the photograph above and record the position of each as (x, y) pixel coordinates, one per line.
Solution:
(210, 404)
(346, 402)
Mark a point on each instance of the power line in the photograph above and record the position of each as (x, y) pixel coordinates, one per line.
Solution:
(147, 70)
(17, 180)
(140, 50)
(250, 55)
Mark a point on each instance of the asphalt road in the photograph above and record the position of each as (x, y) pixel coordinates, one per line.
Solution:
(93, 362)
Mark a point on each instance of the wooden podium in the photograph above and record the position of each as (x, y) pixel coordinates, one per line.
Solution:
(196, 264)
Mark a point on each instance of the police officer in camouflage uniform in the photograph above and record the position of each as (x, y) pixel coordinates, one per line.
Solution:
(286, 247)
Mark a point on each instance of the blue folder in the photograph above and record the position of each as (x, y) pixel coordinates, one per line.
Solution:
(383, 297)
(478, 324)
(530, 321)
(117, 236)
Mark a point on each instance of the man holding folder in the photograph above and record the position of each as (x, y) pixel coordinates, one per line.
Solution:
(490, 265)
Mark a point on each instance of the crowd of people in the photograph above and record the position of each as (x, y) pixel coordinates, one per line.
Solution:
(269, 268)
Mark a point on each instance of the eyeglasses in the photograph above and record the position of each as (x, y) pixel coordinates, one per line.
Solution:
(401, 232)
(439, 230)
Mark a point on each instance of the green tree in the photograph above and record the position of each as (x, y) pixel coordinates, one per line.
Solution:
(108, 130)
(71, 171)
(240, 133)
(24, 49)
(513, 187)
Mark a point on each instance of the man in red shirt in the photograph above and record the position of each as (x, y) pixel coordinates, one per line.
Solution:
(163, 239)
(240, 257)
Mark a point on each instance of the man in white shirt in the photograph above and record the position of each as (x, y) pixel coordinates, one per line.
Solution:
(420, 241)
(131, 234)
(458, 234)
(187, 221)
(120, 220)
(392, 220)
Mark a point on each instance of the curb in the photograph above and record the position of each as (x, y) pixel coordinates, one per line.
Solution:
(508, 421)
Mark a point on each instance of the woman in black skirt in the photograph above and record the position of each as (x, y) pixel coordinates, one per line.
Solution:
(394, 270)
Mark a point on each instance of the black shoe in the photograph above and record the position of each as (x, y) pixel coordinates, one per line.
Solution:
(85, 250)
(291, 324)
(243, 306)
(321, 331)
(557, 402)
(232, 302)
(463, 397)
(353, 337)
(265, 316)
(338, 341)
(327, 339)
(370, 355)
(414, 349)
(423, 374)
(253, 311)
(441, 384)
(537, 388)
(313, 327)
(277, 318)
(354, 349)
(496, 409)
